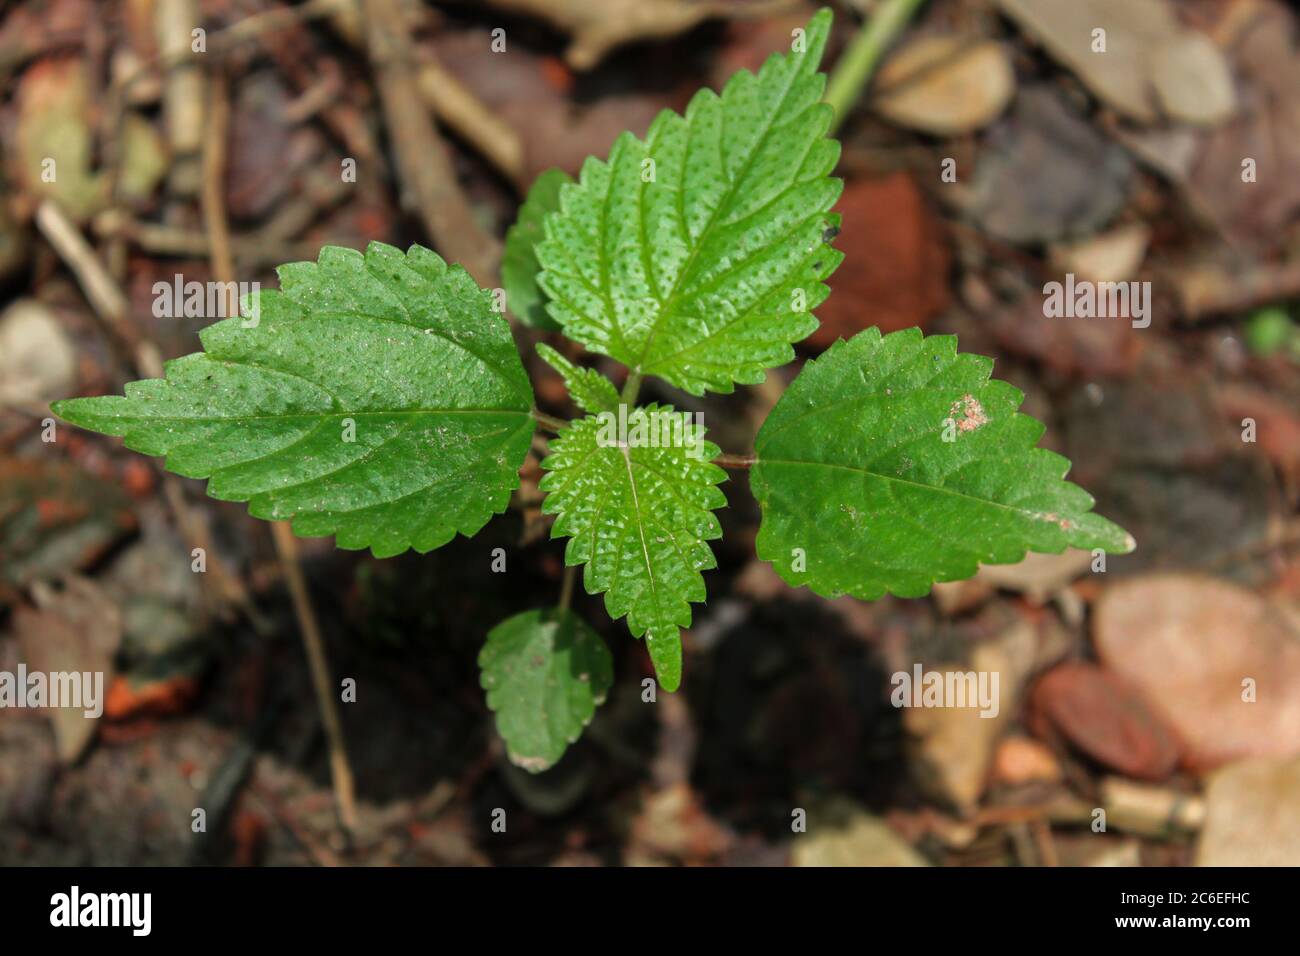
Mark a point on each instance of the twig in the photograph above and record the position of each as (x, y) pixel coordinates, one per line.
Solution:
(423, 164)
(223, 269)
(452, 102)
(858, 62)
(462, 111)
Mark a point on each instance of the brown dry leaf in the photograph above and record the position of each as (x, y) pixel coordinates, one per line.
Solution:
(1277, 423)
(945, 84)
(1196, 648)
(896, 273)
(76, 629)
(840, 833)
(1104, 718)
(55, 142)
(1150, 64)
(55, 517)
(1267, 132)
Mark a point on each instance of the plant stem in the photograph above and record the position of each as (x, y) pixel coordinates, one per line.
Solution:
(858, 62)
(549, 422)
(735, 462)
(566, 586)
(631, 388)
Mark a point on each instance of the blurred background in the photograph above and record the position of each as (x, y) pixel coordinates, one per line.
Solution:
(1150, 709)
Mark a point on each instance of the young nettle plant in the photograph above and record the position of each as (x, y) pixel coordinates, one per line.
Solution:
(380, 399)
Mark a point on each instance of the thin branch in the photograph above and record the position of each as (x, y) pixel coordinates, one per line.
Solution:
(424, 167)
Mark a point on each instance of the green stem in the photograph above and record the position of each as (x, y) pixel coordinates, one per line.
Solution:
(549, 422)
(566, 586)
(631, 388)
(853, 70)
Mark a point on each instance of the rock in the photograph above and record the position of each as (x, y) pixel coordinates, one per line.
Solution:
(1192, 80)
(952, 747)
(1081, 178)
(1114, 256)
(1023, 760)
(37, 362)
(843, 834)
(945, 85)
(1197, 648)
(897, 277)
(1251, 815)
(1105, 719)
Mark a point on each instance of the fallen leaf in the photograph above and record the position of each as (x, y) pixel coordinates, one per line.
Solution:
(76, 629)
(1103, 717)
(899, 262)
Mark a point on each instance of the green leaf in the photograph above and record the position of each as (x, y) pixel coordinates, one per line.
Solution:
(376, 398)
(854, 471)
(519, 266)
(545, 673)
(698, 254)
(591, 391)
(638, 510)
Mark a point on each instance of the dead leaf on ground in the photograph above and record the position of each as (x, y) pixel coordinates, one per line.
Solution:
(75, 630)
(895, 276)
(1144, 63)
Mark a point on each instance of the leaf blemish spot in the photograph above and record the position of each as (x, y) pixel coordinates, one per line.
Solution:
(968, 414)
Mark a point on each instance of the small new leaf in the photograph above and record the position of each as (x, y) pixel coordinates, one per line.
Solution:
(545, 673)
(893, 462)
(698, 254)
(377, 398)
(519, 266)
(637, 506)
(590, 391)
